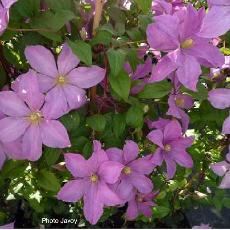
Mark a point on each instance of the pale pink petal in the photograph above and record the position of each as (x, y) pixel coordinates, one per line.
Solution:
(8, 226)
(156, 136)
(12, 128)
(72, 191)
(93, 206)
(220, 168)
(171, 167)
(32, 143)
(2, 156)
(225, 183)
(219, 98)
(115, 154)
(110, 171)
(42, 60)
(12, 105)
(107, 196)
(146, 210)
(75, 96)
(54, 134)
(77, 165)
(157, 157)
(8, 3)
(142, 166)
(172, 131)
(142, 183)
(66, 60)
(226, 126)
(130, 151)
(125, 189)
(46, 83)
(132, 211)
(86, 77)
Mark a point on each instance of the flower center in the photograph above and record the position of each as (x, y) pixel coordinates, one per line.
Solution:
(35, 117)
(167, 148)
(188, 43)
(61, 80)
(139, 198)
(179, 102)
(216, 75)
(127, 170)
(93, 178)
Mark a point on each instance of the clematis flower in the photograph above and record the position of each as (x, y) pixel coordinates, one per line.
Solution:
(171, 147)
(8, 226)
(27, 118)
(63, 81)
(159, 124)
(217, 21)
(178, 102)
(4, 14)
(220, 99)
(91, 181)
(178, 36)
(141, 74)
(140, 204)
(166, 6)
(202, 226)
(223, 169)
(134, 172)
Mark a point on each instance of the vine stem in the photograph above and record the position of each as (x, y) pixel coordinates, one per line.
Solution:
(29, 29)
(96, 23)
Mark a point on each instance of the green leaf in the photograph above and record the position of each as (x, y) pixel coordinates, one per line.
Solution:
(3, 78)
(48, 181)
(119, 123)
(155, 90)
(134, 116)
(27, 8)
(144, 5)
(116, 60)
(71, 121)
(121, 84)
(101, 37)
(161, 211)
(82, 50)
(51, 155)
(96, 122)
(59, 4)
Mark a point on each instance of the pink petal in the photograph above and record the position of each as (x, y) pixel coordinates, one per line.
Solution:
(216, 22)
(42, 60)
(132, 211)
(72, 191)
(125, 189)
(110, 171)
(107, 196)
(75, 97)
(130, 151)
(2, 156)
(54, 108)
(77, 165)
(66, 60)
(115, 154)
(219, 98)
(157, 157)
(172, 131)
(163, 33)
(142, 183)
(28, 90)
(32, 143)
(86, 77)
(156, 136)
(93, 206)
(8, 3)
(162, 69)
(171, 168)
(220, 168)
(146, 210)
(226, 126)
(8, 226)
(12, 105)
(182, 158)
(12, 128)
(45, 82)
(142, 166)
(188, 74)
(54, 134)
(14, 150)
(225, 183)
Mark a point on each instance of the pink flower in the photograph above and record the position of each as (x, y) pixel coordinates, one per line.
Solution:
(202, 226)
(178, 36)
(134, 172)
(223, 169)
(171, 147)
(63, 81)
(140, 204)
(220, 99)
(159, 124)
(27, 118)
(4, 14)
(8, 226)
(91, 181)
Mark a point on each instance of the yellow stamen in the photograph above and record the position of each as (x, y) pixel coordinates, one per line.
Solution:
(127, 170)
(93, 178)
(216, 75)
(139, 198)
(179, 102)
(35, 117)
(167, 148)
(188, 43)
(61, 80)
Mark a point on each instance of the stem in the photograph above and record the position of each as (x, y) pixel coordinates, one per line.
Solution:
(29, 29)
(96, 23)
